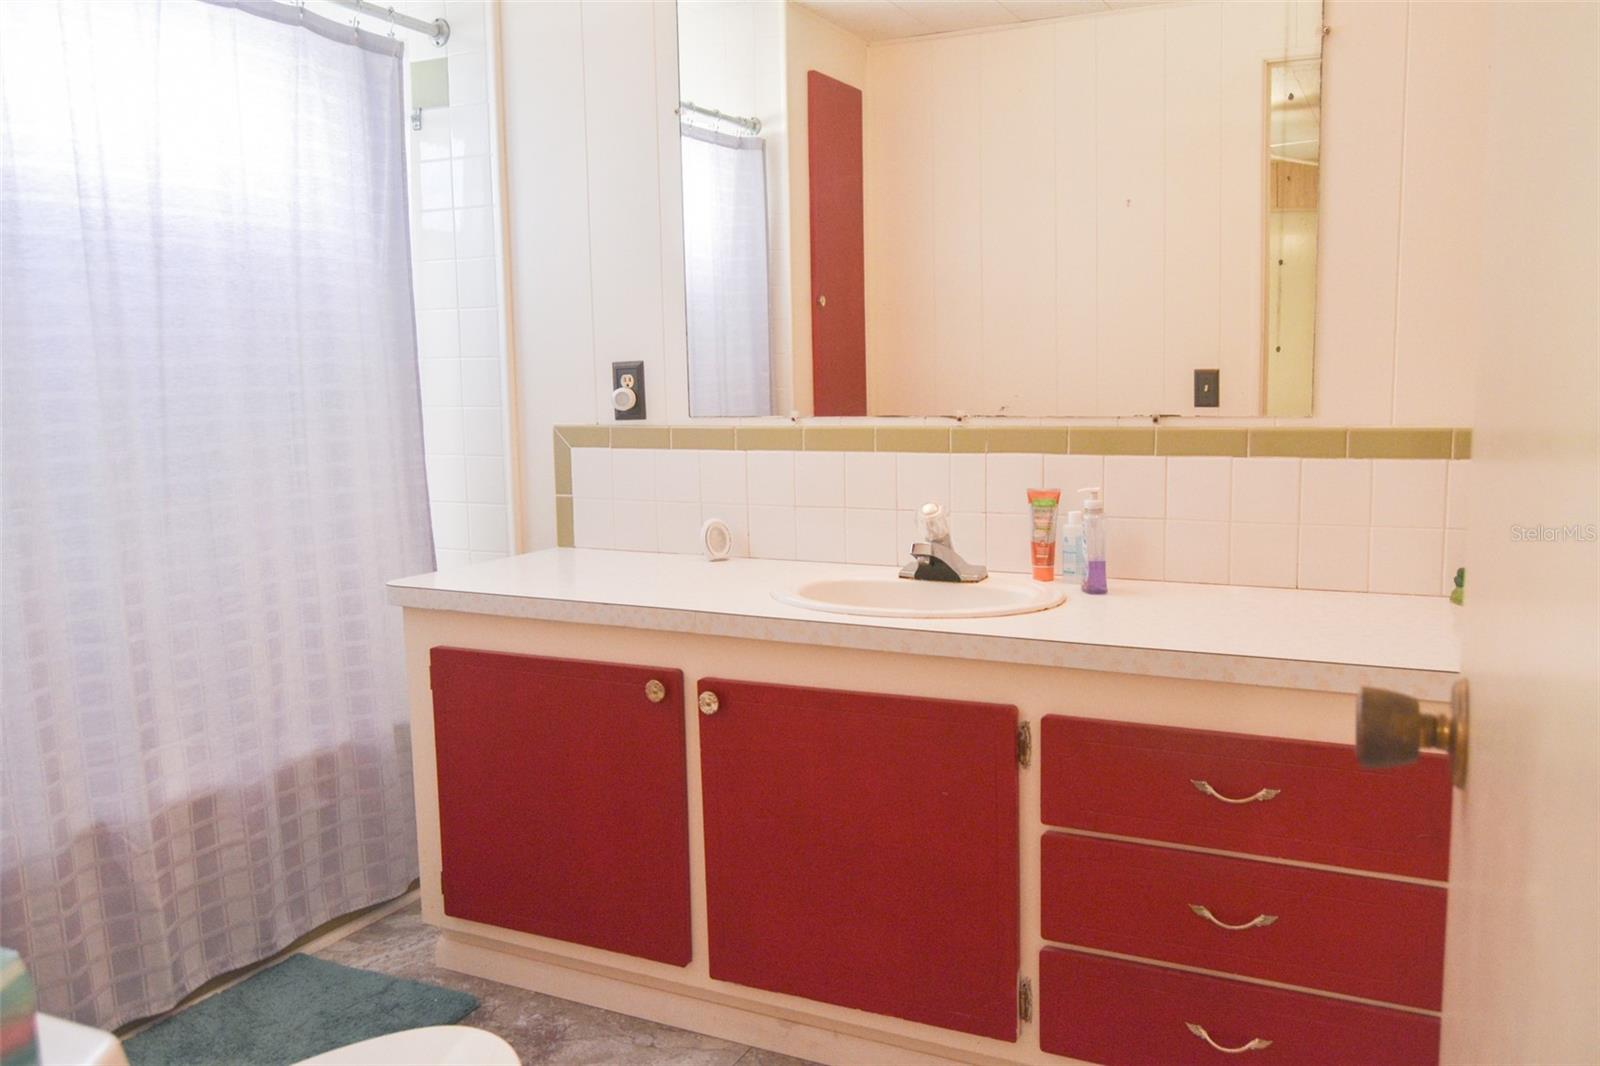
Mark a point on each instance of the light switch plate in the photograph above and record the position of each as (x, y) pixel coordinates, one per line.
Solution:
(1207, 388)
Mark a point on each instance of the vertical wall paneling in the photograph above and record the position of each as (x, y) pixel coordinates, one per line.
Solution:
(1131, 134)
(1077, 268)
(1363, 88)
(1438, 327)
(1193, 198)
(955, 107)
(1017, 153)
(673, 380)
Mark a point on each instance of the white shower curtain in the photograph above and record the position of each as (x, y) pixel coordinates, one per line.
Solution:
(725, 260)
(210, 461)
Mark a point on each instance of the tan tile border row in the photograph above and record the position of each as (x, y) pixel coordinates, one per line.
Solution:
(1312, 442)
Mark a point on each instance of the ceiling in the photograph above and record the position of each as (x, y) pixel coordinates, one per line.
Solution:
(888, 20)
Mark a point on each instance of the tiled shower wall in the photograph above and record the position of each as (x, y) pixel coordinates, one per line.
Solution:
(456, 273)
(1357, 524)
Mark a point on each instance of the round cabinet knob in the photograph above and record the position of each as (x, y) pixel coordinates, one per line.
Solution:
(654, 691)
(624, 399)
(709, 703)
(822, 301)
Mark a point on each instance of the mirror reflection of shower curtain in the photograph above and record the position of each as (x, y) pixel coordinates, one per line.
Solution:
(725, 273)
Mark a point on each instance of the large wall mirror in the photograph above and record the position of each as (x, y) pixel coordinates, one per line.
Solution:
(1030, 208)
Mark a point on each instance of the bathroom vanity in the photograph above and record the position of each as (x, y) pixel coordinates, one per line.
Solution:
(1126, 829)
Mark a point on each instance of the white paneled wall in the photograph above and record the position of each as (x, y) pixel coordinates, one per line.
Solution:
(1395, 329)
(1378, 525)
(1110, 169)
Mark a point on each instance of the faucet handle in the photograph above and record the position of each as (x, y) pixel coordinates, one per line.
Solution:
(935, 523)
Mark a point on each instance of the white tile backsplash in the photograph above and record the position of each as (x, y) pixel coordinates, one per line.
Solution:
(1135, 486)
(1336, 492)
(1408, 492)
(770, 476)
(819, 479)
(1009, 477)
(1266, 490)
(480, 383)
(1197, 488)
(1455, 557)
(1201, 519)
(869, 480)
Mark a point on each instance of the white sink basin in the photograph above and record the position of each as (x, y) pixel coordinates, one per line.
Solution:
(897, 597)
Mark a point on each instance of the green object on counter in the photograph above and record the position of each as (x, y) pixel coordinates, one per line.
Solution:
(1459, 593)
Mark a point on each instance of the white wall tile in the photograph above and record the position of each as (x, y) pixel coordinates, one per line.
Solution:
(922, 478)
(470, 181)
(1408, 492)
(469, 82)
(1458, 484)
(483, 431)
(869, 480)
(738, 520)
(450, 527)
(1009, 477)
(441, 382)
(968, 483)
(591, 522)
(1406, 560)
(677, 474)
(1135, 486)
(469, 129)
(486, 479)
(772, 532)
(1069, 473)
(819, 480)
(869, 536)
(1266, 490)
(1008, 546)
(1196, 551)
(591, 473)
(488, 528)
(474, 232)
(678, 527)
(1455, 557)
(480, 382)
(633, 524)
(1261, 554)
(819, 533)
(438, 333)
(436, 235)
(1135, 548)
(770, 476)
(969, 535)
(1333, 557)
(1198, 489)
(433, 140)
(722, 477)
(1336, 492)
(480, 333)
(442, 431)
(434, 192)
(475, 283)
(451, 559)
(447, 478)
(633, 473)
(436, 285)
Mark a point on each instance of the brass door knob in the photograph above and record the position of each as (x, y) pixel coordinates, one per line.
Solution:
(1391, 730)
(654, 691)
(709, 703)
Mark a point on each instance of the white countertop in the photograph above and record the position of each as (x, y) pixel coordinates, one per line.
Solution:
(1288, 638)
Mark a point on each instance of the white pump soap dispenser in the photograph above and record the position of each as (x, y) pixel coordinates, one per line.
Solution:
(1094, 542)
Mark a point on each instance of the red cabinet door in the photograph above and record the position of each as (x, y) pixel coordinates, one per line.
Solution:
(862, 850)
(563, 800)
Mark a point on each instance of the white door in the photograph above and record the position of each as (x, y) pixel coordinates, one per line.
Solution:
(1522, 965)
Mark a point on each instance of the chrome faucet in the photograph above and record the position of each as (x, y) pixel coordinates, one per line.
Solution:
(933, 558)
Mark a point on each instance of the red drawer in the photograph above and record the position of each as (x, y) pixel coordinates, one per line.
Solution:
(1113, 1012)
(1191, 786)
(1337, 932)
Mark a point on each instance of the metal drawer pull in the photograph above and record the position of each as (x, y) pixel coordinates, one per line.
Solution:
(1260, 797)
(1256, 1044)
(1257, 922)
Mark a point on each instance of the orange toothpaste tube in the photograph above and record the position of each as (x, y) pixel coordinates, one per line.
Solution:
(1045, 506)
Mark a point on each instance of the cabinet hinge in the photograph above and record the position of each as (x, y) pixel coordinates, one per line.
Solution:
(1025, 999)
(1024, 744)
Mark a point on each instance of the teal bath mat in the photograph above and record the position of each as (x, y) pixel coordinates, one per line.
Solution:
(299, 1008)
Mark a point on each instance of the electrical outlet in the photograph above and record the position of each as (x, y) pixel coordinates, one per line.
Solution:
(627, 391)
(1207, 388)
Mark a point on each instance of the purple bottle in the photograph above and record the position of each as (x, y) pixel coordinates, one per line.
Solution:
(1094, 542)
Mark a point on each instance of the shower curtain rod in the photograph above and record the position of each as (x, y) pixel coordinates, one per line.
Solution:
(438, 29)
(753, 125)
